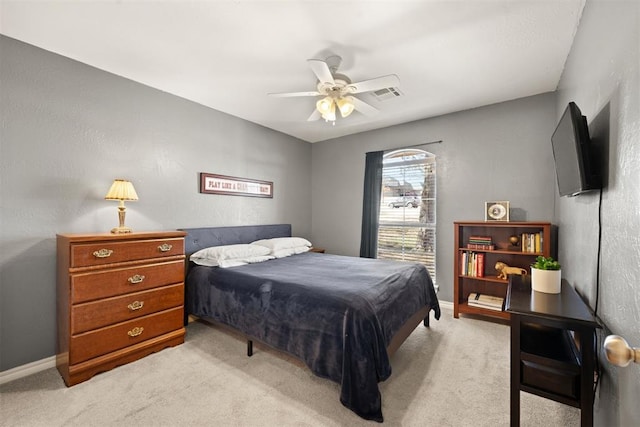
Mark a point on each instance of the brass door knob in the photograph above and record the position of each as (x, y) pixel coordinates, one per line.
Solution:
(619, 352)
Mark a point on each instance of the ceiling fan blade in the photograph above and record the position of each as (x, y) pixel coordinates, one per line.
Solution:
(390, 80)
(362, 106)
(290, 94)
(321, 70)
(314, 116)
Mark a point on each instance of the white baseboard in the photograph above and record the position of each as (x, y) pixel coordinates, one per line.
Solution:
(28, 369)
(446, 304)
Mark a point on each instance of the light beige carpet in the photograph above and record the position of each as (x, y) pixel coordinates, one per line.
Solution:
(455, 373)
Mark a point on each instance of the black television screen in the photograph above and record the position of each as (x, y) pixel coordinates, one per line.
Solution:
(572, 152)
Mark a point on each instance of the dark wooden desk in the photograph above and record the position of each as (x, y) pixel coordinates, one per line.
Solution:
(552, 347)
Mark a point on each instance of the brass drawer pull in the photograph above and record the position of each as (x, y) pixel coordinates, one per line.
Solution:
(103, 253)
(136, 278)
(136, 305)
(135, 331)
(165, 247)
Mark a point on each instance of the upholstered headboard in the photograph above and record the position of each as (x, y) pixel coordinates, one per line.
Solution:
(200, 238)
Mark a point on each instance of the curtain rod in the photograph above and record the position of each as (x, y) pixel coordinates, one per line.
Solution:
(408, 146)
(423, 143)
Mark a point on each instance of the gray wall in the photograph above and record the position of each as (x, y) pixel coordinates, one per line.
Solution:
(498, 152)
(69, 129)
(602, 76)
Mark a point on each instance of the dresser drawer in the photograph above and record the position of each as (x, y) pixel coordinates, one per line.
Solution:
(108, 283)
(92, 254)
(96, 314)
(105, 340)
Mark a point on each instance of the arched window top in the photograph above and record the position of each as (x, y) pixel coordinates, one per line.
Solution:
(408, 154)
(408, 157)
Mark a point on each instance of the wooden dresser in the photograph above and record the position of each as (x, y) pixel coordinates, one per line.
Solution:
(120, 297)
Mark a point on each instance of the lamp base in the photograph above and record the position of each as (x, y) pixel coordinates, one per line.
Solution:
(121, 230)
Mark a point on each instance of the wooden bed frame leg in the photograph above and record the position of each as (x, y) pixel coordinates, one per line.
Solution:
(249, 348)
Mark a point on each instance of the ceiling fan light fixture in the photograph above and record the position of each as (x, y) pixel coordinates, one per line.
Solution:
(346, 106)
(325, 105)
(336, 90)
(330, 115)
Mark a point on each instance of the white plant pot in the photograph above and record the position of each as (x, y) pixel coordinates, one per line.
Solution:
(547, 281)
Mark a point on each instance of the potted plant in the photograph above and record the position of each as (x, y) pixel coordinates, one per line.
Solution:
(545, 275)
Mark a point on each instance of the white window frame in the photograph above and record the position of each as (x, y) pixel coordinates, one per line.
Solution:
(388, 217)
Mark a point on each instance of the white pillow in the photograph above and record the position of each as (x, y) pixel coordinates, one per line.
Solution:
(226, 263)
(281, 253)
(212, 256)
(280, 243)
(261, 258)
(301, 249)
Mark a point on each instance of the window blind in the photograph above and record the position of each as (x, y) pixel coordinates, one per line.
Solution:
(407, 218)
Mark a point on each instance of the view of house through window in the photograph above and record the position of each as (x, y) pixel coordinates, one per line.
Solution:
(407, 218)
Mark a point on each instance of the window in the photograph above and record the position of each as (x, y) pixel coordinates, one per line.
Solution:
(407, 218)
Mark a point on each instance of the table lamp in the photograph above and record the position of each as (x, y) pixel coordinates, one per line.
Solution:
(121, 190)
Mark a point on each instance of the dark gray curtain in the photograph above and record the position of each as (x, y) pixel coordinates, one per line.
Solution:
(371, 204)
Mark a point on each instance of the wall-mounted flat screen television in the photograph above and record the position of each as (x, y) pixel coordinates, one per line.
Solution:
(576, 169)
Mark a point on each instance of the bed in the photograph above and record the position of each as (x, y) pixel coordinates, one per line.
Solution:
(342, 316)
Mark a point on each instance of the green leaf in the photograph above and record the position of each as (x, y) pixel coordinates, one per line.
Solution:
(547, 263)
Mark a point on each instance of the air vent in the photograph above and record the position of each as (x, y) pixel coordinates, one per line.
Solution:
(387, 93)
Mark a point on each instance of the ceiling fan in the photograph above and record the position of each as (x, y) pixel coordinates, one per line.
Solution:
(337, 90)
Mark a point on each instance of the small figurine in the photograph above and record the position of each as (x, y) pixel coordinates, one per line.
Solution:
(504, 270)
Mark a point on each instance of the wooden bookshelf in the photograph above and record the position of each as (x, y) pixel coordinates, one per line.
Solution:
(468, 280)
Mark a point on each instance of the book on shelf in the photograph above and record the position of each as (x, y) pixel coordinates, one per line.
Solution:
(532, 242)
(480, 240)
(479, 267)
(477, 246)
(490, 302)
(472, 264)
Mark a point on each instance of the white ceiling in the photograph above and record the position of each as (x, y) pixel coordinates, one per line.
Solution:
(228, 55)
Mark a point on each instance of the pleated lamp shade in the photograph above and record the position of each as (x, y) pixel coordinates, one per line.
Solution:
(121, 190)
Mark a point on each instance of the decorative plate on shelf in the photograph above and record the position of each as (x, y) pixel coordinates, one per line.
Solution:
(496, 211)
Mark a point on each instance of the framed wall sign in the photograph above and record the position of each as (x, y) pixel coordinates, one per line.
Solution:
(231, 185)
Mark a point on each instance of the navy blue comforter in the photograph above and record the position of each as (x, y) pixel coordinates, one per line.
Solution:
(335, 313)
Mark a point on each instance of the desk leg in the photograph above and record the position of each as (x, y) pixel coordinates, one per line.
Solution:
(586, 377)
(515, 370)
